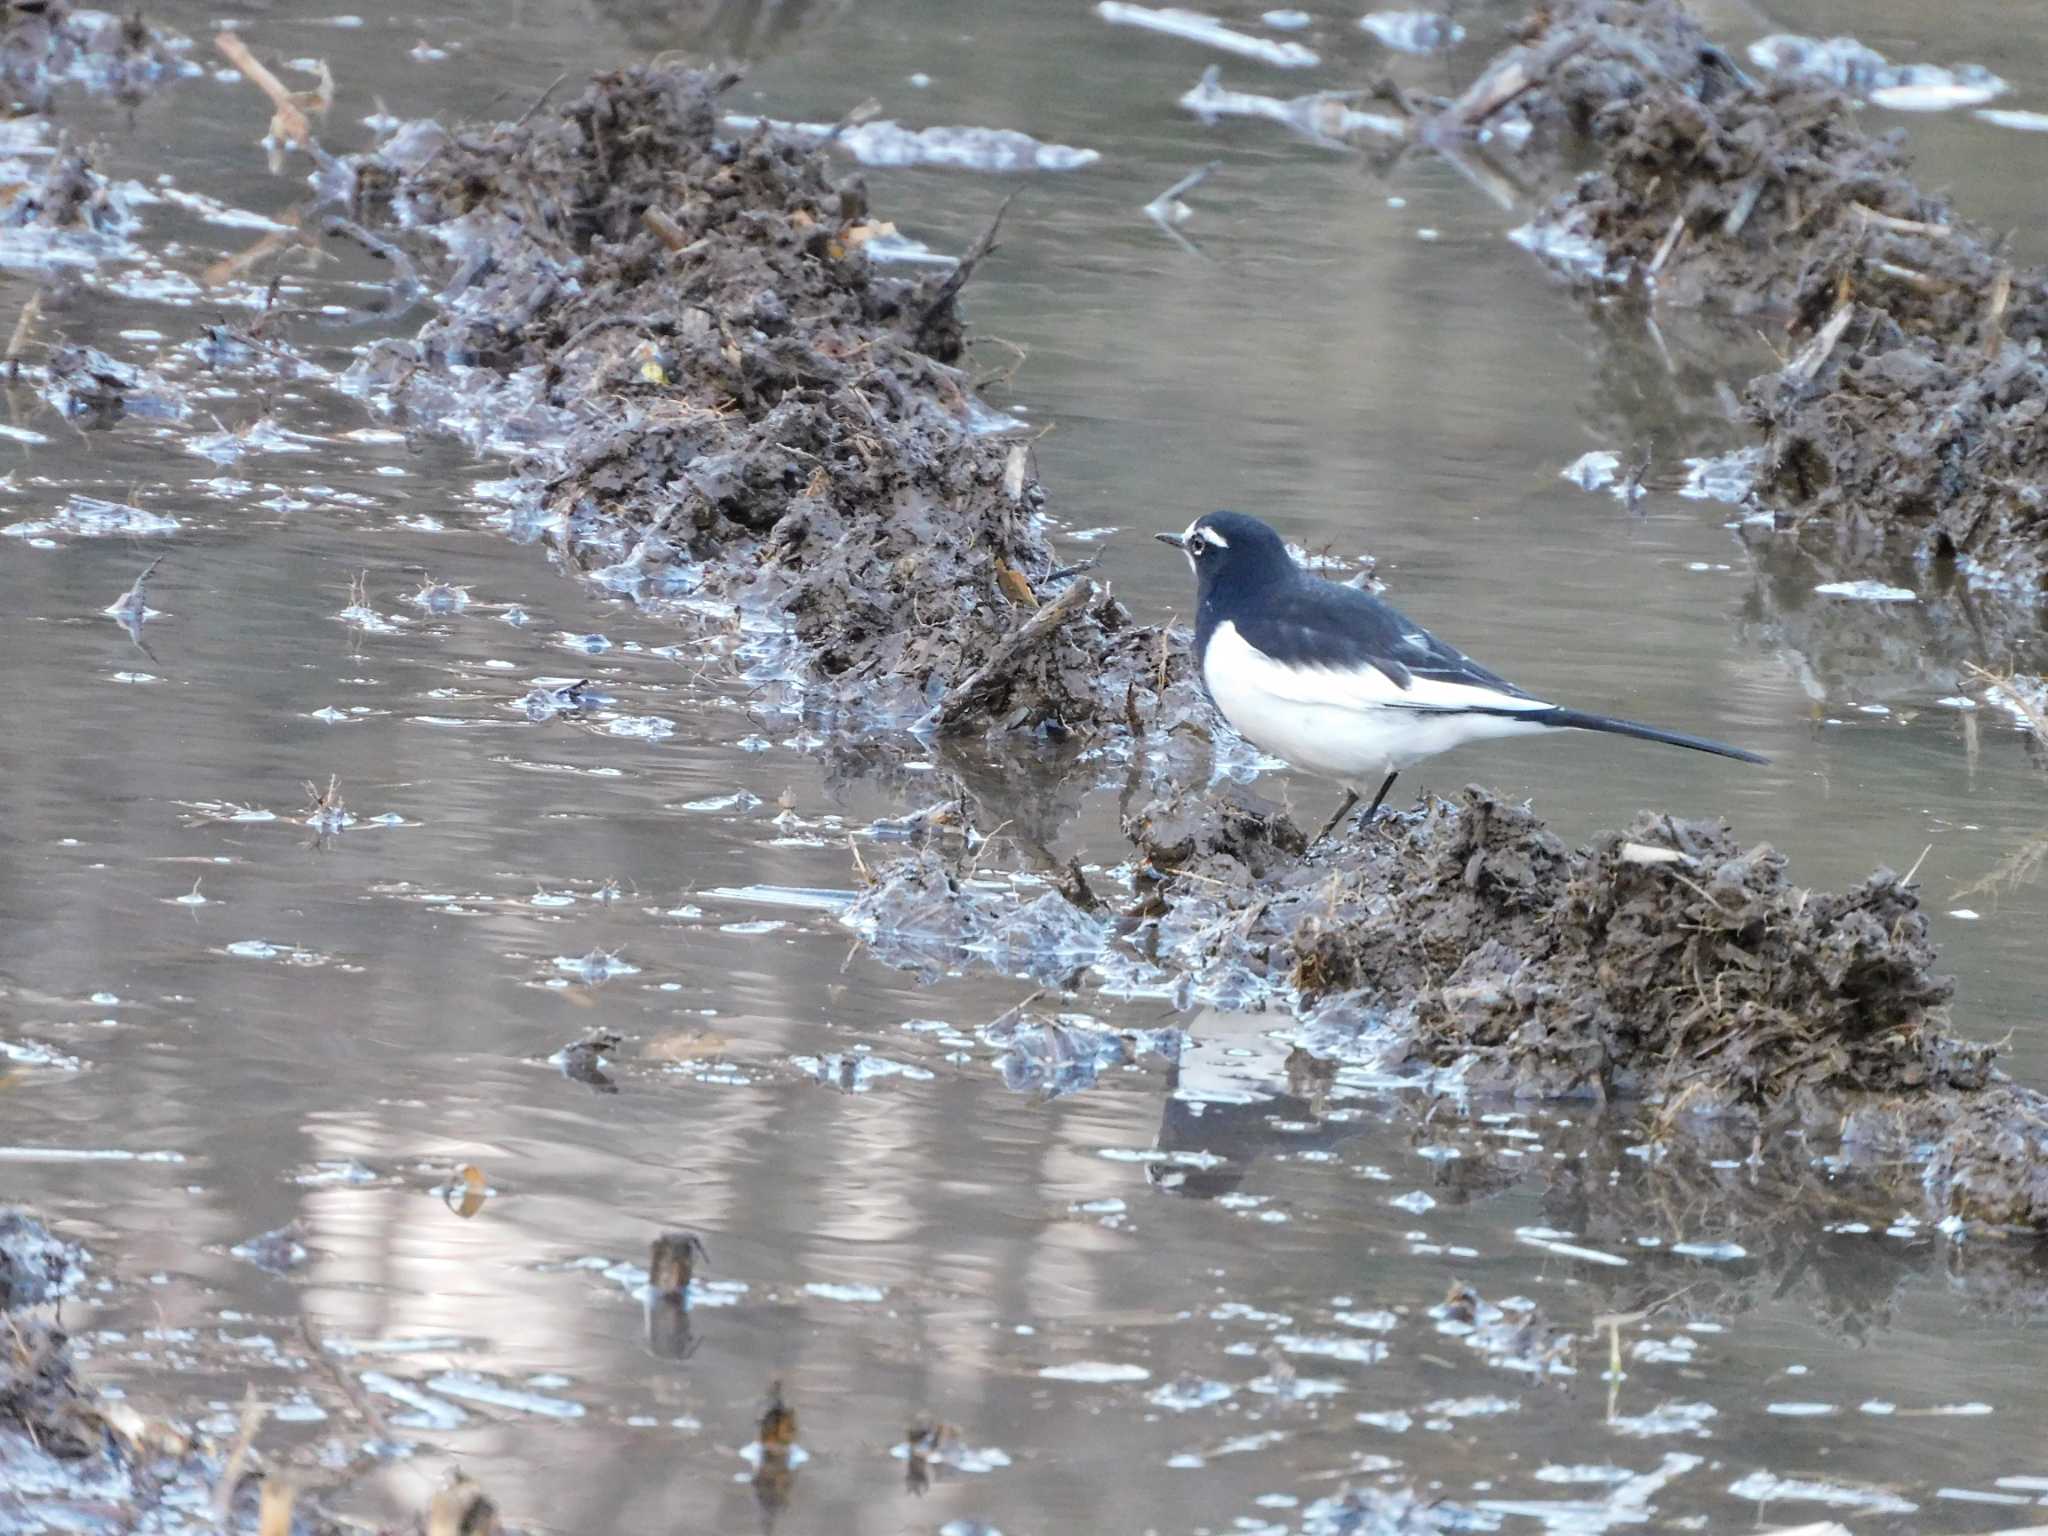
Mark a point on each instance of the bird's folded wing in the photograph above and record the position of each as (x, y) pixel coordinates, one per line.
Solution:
(1384, 663)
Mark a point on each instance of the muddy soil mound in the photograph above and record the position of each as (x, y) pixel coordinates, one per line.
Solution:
(731, 403)
(1905, 416)
(1665, 962)
(1669, 963)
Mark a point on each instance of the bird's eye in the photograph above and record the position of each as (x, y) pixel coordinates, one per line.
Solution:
(1197, 546)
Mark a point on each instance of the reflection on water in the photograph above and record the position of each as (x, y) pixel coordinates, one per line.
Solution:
(453, 1001)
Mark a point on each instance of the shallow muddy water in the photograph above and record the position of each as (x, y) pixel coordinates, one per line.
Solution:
(1200, 1297)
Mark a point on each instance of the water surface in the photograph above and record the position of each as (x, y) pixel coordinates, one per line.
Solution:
(287, 1027)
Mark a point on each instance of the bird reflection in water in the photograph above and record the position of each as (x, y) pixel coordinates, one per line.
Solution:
(670, 1267)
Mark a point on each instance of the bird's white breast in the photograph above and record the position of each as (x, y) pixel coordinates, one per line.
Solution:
(1352, 724)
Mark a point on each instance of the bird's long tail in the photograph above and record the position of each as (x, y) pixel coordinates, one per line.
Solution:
(1578, 720)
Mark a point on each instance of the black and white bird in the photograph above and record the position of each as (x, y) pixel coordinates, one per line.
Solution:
(1334, 681)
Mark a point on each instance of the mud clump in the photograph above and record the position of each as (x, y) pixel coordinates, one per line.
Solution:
(1234, 826)
(1662, 963)
(48, 43)
(1989, 1163)
(35, 1267)
(1743, 195)
(1666, 966)
(1904, 420)
(1669, 964)
(720, 398)
(1911, 446)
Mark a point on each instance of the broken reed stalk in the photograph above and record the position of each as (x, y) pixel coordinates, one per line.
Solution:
(1994, 318)
(378, 246)
(290, 121)
(665, 229)
(1815, 353)
(274, 1513)
(1668, 244)
(2008, 689)
(1870, 217)
(238, 1455)
(1515, 75)
(228, 268)
(959, 706)
(23, 329)
(350, 1388)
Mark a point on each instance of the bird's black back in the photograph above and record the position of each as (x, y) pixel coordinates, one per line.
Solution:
(1302, 620)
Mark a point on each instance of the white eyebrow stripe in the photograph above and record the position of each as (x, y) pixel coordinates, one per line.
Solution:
(1211, 537)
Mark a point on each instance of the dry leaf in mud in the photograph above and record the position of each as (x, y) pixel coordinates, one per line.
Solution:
(647, 361)
(467, 1191)
(144, 1437)
(852, 237)
(1014, 586)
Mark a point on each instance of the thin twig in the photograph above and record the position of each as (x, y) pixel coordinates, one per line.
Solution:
(1994, 318)
(376, 245)
(540, 101)
(949, 290)
(351, 1389)
(231, 1469)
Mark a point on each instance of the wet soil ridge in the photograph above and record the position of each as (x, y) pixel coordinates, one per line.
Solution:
(1665, 964)
(725, 400)
(1906, 415)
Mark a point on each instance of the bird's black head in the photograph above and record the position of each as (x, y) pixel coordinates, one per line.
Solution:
(1240, 552)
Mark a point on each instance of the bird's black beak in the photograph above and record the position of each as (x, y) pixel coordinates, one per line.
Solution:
(1177, 540)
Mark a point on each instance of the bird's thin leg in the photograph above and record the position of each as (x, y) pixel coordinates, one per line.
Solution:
(1350, 799)
(1373, 809)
